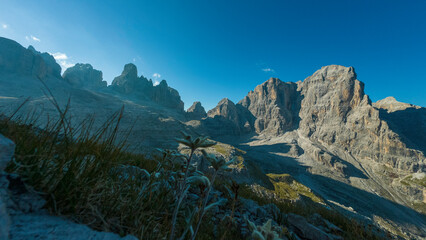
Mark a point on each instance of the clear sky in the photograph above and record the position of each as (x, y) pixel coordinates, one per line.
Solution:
(209, 50)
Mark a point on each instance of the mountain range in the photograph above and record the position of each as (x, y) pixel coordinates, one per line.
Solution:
(366, 159)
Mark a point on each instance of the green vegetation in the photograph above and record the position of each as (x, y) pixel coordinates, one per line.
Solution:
(230, 151)
(286, 187)
(221, 148)
(410, 180)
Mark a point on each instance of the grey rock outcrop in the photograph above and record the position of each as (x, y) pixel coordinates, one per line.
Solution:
(196, 111)
(16, 59)
(275, 104)
(84, 76)
(129, 84)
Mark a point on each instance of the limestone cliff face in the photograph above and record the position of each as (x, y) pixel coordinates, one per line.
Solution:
(336, 112)
(128, 83)
(28, 62)
(275, 105)
(84, 76)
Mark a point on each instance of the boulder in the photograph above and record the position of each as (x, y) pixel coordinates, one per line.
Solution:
(7, 149)
(305, 230)
(43, 226)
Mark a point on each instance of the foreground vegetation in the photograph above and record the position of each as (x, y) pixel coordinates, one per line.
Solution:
(87, 173)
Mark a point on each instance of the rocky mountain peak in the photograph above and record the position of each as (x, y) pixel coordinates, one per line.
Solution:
(130, 70)
(269, 88)
(196, 111)
(275, 105)
(229, 118)
(141, 88)
(14, 58)
(84, 76)
(128, 81)
(333, 88)
(163, 83)
(225, 108)
(336, 112)
(391, 105)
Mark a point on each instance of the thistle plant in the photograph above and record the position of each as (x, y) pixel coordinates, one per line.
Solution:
(183, 186)
(264, 232)
(218, 164)
(233, 192)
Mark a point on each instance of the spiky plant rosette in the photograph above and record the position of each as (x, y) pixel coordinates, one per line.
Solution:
(194, 143)
(218, 163)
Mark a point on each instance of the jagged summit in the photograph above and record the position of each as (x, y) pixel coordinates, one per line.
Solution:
(196, 111)
(130, 70)
(225, 108)
(84, 76)
(129, 84)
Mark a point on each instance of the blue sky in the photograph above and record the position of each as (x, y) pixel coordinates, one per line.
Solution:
(209, 50)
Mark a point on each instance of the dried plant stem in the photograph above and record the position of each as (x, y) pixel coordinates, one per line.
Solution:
(181, 195)
(202, 212)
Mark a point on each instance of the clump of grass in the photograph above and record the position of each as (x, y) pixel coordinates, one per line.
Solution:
(80, 170)
(286, 187)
